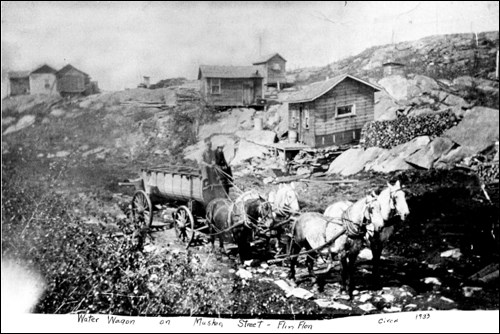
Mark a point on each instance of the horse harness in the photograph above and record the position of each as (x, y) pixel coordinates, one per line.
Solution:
(354, 230)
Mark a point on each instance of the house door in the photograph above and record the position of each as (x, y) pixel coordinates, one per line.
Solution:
(247, 93)
(300, 130)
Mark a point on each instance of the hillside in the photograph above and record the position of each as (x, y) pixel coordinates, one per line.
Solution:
(439, 57)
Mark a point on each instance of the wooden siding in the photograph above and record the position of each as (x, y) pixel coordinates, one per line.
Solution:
(275, 76)
(232, 92)
(348, 92)
(338, 138)
(43, 83)
(325, 129)
(72, 81)
(19, 86)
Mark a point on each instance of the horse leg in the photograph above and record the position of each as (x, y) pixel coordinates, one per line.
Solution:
(352, 268)
(221, 244)
(294, 249)
(345, 270)
(212, 237)
(376, 247)
(241, 237)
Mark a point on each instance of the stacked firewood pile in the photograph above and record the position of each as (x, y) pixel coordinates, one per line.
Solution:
(387, 134)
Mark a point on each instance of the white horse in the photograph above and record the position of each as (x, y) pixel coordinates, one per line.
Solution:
(392, 201)
(284, 200)
(313, 230)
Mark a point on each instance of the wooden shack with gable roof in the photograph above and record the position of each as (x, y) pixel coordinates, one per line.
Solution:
(231, 86)
(331, 112)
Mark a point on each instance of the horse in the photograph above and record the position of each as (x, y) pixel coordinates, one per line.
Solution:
(284, 200)
(313, 231)
(285, 204)
(392, 201)
(238, 221)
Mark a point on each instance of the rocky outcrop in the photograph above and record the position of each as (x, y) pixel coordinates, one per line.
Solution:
(443, 56)
(354, 160)
(395, 158)
(425, 157)
(23, 122)
(477, 131)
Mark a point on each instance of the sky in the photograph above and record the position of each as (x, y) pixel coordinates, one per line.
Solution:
(117, 43)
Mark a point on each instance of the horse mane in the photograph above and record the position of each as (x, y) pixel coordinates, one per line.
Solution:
(383, 198)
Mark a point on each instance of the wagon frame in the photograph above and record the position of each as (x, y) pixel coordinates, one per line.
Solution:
(180, 187)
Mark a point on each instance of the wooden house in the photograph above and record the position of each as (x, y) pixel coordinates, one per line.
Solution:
(72, 81)
(43, 81)
(273, 69)
(19, 82)
(331, 112)
(231, 86)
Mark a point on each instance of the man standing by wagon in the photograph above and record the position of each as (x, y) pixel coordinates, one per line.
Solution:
(225, 173)
(208, 163)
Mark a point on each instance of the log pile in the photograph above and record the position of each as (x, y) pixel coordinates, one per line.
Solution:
(387, 134)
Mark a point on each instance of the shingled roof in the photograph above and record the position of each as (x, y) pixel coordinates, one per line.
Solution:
(210, 71)
(265, 58)
(67, 68)
(317, 89)
(44, 69)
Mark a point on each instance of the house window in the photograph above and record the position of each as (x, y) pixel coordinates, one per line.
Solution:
(306, 118)
(47, 84)
(346, 110)
(215, 86)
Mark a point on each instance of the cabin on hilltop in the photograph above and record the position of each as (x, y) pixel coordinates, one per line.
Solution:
(273, 69)
(43, 81)
(231, 86)
(71, 81)
(19, 82)
(331, 112)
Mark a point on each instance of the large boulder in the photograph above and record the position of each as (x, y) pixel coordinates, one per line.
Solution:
(24, 122)
(248, 150)
(396, 86)
(453, 100)
(421, 84)
(425, 157)
(354, 160)
(454, 156)
(385, 107)
(263, 137)
(228, 122)
(394, 159)
(477, 131)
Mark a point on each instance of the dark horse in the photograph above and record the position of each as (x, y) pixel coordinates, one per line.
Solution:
(238, 221)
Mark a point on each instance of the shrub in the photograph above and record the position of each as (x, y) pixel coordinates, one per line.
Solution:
(87, 269)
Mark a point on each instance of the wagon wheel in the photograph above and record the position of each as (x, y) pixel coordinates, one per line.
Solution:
(142, 209)
(184, 225)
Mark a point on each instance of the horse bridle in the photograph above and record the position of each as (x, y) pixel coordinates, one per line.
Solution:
(393, 199)
(357, 230)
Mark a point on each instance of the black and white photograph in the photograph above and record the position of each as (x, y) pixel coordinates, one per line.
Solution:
(250, 166)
